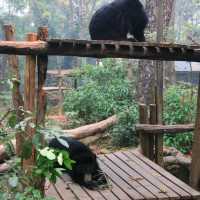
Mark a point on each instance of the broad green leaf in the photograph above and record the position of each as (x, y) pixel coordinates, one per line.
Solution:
(60, 159)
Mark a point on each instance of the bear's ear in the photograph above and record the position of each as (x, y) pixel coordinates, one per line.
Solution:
(63, 142)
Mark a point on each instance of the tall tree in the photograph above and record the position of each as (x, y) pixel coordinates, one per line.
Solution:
(146, 79)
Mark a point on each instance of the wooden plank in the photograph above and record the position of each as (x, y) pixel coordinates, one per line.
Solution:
(113, 193)
(131, 177)
(170, 184)
(95, 194)
(64, 191)
(113, 175)
(147, 181)
(136, 44)
(51, 192)
(157, 129)
(77, 190)
(168, 176)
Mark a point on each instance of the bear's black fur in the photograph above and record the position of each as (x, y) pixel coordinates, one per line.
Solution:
(86, 170)
(115, 20)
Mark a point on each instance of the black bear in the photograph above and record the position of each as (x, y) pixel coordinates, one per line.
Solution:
(86, 170)
(117, 19)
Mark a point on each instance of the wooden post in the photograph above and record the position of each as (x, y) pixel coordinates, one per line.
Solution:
(144, 138)
(60, 84)
(159, 85)
(152, 120)
(29, 101)
(15, 75)
(195, 166)
(42, 63)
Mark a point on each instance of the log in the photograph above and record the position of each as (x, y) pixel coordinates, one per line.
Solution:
(91, 129)
(158, 129)
(29, 101)
(22, 47)
(178, 159)
(77, 133)
(16, 94)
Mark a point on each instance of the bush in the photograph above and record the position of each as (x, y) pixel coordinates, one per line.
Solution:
(123, 134)
(103, 92)
(180, 108)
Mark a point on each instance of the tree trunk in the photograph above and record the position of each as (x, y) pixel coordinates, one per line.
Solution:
(146, 79)
(169, 23)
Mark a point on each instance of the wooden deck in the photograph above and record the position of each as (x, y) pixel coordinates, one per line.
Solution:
(132, 176)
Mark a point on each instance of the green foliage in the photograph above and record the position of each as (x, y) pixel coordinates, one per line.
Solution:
(29, 194)
(123, 134)
(46, 161)
(180, 107)
(16, 184)
(103, 92)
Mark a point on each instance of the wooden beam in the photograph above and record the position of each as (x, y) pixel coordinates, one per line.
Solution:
(103, 49)
(23, 47)
(195, 166)
(51, 89)
(16, 94)
(29, 102)
(42, 64)
(162, 129)
(63, 73)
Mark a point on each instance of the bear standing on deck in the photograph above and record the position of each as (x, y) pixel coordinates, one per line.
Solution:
(117, 19)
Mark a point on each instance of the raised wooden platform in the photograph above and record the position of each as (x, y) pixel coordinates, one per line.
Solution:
(132, 176)
(103, 49)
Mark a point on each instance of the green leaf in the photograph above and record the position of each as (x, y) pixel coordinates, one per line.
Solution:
(60, 159)
(48, 153)
(12, 120)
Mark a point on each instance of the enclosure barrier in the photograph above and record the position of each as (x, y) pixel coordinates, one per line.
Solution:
(38, 48)
(149, 131)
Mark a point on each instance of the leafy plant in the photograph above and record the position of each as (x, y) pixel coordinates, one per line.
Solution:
(104, 91)
(16, 184)
(123, 134)
(180, 108)
(48, 159)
